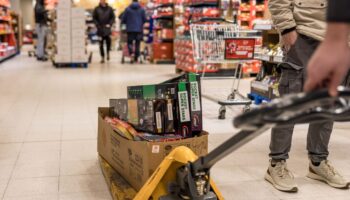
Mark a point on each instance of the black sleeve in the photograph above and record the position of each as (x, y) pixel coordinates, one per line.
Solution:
(112, 17)
(95, 17)
(125, 16)
(144, 18)
(338, 11)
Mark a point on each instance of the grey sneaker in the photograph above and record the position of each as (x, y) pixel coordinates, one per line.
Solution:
(281, 178)
(325, 172)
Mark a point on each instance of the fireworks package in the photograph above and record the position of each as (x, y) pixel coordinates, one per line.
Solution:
(119, 108)
(177, 96)
(146, 115)
(195, 98)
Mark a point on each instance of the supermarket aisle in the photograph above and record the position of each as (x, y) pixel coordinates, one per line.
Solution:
(48, 128)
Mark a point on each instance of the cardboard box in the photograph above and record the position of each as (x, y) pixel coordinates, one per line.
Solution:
(78, 33)
(80, 59)
(63, 14)
(63, 29)
(78, 44)
(78, 13)
(64, 39)
(78, 24)
(79, 51)
(64, 5)
(62, 58)
(137, 160)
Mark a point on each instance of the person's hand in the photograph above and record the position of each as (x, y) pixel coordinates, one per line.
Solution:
(288, 40)
(330, 63)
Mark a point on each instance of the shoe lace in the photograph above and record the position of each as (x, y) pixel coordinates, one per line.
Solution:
(330, 169)
(282, 170)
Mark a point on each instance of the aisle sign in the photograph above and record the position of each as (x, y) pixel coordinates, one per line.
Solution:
(239, 48)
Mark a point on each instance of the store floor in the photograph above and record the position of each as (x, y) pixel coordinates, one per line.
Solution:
(48, 129)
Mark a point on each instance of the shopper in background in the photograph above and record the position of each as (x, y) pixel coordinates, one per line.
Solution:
(41, 20)
(134, 18)
(104, 19)
(330, 63)
(302, 25)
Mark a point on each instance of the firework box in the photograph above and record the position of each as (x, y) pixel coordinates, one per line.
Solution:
(178, 92)
(137, 160)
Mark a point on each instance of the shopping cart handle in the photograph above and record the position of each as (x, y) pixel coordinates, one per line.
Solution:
(211, 19)
(298, 109)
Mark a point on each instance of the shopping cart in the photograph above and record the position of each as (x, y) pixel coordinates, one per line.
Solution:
(216, 40)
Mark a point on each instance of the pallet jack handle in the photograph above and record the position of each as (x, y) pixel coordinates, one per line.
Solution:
(293, 109)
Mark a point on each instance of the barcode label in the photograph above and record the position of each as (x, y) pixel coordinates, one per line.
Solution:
(184, 107)
(170, 112)
(159, 120)
(195, 101)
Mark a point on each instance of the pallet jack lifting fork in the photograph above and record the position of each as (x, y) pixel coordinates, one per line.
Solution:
(182, 175)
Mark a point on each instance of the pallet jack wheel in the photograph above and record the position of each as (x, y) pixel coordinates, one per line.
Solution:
(222, 112)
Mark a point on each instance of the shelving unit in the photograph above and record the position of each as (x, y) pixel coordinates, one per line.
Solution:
(190, 11)
(17, 25)
(163, 32)
(9, 45)
(249, 11)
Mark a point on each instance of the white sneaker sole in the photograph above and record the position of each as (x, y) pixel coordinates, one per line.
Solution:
(317, 177)
(278, 187)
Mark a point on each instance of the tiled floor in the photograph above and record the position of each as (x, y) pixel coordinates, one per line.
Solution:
(48, 129)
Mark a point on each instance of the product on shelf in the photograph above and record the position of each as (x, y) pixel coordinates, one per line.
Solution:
(267, 88)
(163, 51)
(185, 60)
(8, 40)
(5, 3)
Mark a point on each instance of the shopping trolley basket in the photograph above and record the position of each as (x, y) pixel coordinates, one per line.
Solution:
(222, 41)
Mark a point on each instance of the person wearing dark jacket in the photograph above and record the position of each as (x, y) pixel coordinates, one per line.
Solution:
(104, 18)
(134, 18)
(331, 62)
(41, 20)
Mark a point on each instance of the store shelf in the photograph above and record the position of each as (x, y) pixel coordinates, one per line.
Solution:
(268, 58)
(165, 5)
(2, 59)
(203, 4)
(191, 69)
(169, 17)
(5, 19)
(164, 40)
(6, 6)
(8, 33)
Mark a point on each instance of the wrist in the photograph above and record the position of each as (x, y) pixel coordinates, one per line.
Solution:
(337, 32)
(286, 31)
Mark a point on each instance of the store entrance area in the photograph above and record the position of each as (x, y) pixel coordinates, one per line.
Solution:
(48, 134)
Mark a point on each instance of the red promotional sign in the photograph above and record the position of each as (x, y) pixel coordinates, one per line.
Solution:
(239, 48)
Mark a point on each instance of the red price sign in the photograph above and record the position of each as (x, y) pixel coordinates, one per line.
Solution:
(239, 48)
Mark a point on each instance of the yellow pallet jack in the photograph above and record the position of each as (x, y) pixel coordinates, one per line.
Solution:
(184, 176)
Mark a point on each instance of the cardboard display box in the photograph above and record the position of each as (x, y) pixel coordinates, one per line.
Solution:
(137, 160)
